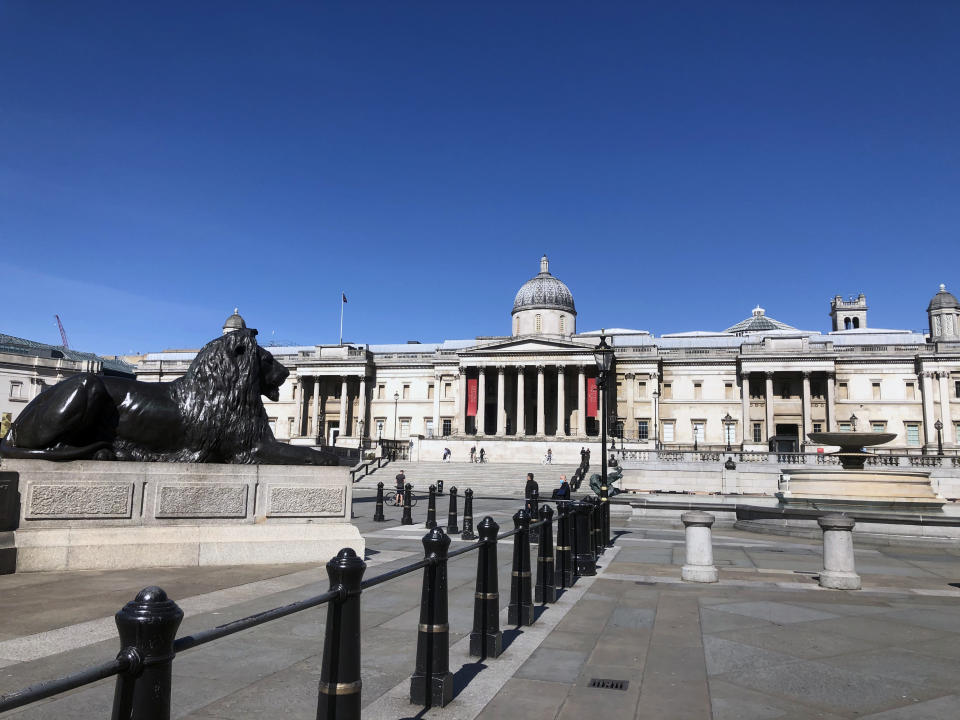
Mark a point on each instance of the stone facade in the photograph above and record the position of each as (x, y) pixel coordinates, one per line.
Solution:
(757, 385)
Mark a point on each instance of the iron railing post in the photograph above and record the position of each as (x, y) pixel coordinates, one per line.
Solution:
(546, 590)
(486, 640)
(432, 681)
(468, 533)
(452, 513)
(378, 512)
(340, 684)
(147, 626)
(407, 518)
(431, 509)
(564, 569)
(533, 508)
(586, 561)
(520, 610)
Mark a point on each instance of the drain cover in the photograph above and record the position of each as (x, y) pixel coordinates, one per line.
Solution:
(606, 684)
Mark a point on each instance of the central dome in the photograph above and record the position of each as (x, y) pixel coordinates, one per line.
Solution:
(544, 291)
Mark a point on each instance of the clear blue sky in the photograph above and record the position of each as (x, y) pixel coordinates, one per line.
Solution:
(680, 162)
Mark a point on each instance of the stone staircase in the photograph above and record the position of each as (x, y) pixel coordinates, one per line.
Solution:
(507, 479)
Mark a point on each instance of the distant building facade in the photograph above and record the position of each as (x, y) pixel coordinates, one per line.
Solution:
(757, 385)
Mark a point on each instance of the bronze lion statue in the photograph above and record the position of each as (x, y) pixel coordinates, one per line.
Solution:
(213, 414)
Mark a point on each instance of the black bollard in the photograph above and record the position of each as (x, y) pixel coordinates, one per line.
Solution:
(432, 681)
(562, 572)
(407, 518)
(520, 610)
(452, 514)
(147, 626)
(378, 512)
(486, 640)
(431, 509)
(546, 589)
(585, 559)
(340, 683)
(533, 507)
(599, 545)
(468, 533)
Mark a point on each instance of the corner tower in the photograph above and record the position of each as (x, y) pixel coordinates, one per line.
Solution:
(848, 314)
(943, 312)
(544, 306)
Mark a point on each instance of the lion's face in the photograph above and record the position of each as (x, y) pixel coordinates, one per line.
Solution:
(272, 375)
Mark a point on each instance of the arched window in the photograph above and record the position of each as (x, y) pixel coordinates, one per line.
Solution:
(563, 324)
(856, 323)
(539, 322)
(846, 323)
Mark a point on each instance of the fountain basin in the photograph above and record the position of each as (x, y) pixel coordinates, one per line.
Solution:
(851, 454)
(838, 489)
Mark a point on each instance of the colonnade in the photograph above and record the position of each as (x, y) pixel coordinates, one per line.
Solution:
(311, 396)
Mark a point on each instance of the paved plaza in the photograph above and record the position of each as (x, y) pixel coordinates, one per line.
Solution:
(764, 642)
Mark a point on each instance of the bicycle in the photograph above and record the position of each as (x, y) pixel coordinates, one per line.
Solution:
(390, 498)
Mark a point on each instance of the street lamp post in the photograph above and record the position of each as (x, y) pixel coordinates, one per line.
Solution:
(396, 399)
(727, 423)
(656, 421)
(603, 355)
(939, 428)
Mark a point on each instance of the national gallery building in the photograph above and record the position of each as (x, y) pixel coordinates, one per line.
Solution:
(760, 384)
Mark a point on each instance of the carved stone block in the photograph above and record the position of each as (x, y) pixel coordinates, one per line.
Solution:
(300, 501)
(74, 500)
(194, 500)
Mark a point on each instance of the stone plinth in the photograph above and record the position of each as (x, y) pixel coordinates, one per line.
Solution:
(699, 565)
(839, 571)
(97, 515)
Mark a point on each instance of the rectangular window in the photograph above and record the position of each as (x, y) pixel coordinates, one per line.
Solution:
(428, 424)
(875, 389)
(447, 427)
(642, 389)
(447, 390)
(272, 422)
(842, 392)
(668, 431)
(728, 391)
(758, 432)
(406, 392)
(913, 433)
(430, 391)
(698, 391)
(404, 427)
(911, 391)
(643, 429)
(878, 426)
(818, 427)
(16, 390)
(845, 427)
(956, 433)
(380, 390)
(956, 388)
(699, 430)
(667, 391)
(290, 427)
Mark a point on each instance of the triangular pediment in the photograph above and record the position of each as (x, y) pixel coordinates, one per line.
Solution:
(524, 345)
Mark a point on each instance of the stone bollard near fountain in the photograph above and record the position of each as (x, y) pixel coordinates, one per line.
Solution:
(699, 565)
(839, 571)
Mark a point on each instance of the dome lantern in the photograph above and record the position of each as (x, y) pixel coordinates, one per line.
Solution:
(544, 305)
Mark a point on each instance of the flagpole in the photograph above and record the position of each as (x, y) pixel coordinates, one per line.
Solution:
(341, 318)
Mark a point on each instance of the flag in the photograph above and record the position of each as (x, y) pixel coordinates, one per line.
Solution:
(344, 296)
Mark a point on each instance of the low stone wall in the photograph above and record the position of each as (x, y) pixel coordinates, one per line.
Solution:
(91, 514)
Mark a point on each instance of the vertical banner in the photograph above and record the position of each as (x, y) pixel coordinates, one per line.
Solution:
(471, 397)
(592, 397)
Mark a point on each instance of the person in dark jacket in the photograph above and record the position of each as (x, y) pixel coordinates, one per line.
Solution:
(562, 492)
(532, 490)
(401, 480)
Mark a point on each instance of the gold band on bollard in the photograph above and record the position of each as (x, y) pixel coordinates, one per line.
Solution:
(487, 596)
(524, 573)
(445, 627)
(468, 517)
(351, 688)
(564, 547)
(545, 560)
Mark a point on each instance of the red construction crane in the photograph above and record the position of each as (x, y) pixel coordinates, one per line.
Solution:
(63, 333)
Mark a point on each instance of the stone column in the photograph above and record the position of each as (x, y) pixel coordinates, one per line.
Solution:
(344, 430)
(582, 402)
(561, 402)
(461, 416)
(946, 417)
(298, 406)
(807, 427)
(746, 426)
(315, 413)
(926, 387)
(839, 571)
(437, 377)
(362, 409)
(771, 429)
(631, 421)
(521, 410)
(541, 414)
(699, 565)
(501, 404)
(831, 402)
(481, 400)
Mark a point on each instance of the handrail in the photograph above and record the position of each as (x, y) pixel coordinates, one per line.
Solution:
(48, 688)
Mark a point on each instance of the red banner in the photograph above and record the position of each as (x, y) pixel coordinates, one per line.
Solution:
(592, 397)
(471, 397)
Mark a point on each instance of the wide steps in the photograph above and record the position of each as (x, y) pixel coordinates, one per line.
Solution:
(482, 478)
